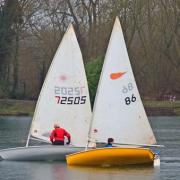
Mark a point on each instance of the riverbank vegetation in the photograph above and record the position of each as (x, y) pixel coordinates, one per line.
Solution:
(30, 32)
(93, 69)
(16, 107)
(27, 107)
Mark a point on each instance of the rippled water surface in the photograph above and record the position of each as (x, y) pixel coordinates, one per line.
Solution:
(14, 130)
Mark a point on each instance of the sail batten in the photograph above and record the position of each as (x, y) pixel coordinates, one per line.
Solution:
(64, 97)
(118, 110)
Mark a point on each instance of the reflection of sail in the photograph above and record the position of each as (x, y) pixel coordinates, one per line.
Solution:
(125, 173)
(60, 171)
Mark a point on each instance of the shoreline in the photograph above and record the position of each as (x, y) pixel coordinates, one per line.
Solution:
(14, 114)
(149, 112)
(11, 107)
(160, 111)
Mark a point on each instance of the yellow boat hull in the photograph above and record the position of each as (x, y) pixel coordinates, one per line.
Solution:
(114, 156)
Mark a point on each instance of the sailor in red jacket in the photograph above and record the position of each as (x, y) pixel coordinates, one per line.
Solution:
(58, 134)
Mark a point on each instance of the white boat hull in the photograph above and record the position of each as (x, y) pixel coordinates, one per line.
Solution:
(38, 153)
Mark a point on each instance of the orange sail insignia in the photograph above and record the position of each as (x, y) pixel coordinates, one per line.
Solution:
(114, 76)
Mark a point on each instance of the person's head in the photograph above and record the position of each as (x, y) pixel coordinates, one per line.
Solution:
(110, 140)
(56, 125)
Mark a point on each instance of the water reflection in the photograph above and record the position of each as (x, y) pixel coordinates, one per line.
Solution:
(14, 130)
(59, 171)
(135, 173)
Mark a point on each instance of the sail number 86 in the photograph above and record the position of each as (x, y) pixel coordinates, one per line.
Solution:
(128, 100)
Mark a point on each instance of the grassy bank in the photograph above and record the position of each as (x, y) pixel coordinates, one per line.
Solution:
(24, 107)
(162, 107)
(17, 107)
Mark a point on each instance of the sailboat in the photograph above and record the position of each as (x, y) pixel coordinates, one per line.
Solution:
(118, 113)
(64, 99)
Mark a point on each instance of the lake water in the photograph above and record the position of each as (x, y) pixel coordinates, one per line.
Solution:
(14, 130)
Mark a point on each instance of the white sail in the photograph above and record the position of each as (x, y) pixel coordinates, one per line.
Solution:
(64, 98)
(118, 109)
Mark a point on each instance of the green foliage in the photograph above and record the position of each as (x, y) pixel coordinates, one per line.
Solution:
(93, 70)
(163, 104)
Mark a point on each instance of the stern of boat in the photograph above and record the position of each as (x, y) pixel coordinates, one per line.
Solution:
(156, 160)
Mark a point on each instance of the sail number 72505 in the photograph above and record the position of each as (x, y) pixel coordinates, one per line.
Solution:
(70, 100)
